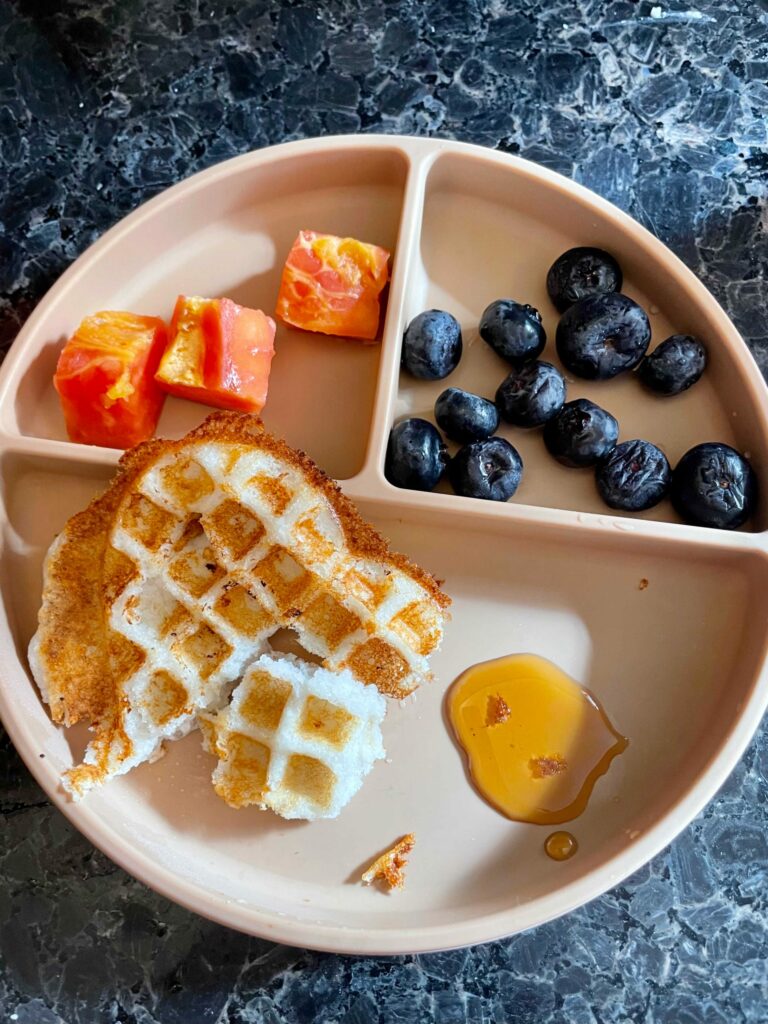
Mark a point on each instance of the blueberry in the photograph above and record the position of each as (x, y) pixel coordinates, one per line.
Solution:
(581, 433)
(674, 365)
(432, 345)
(416, 455)
(580, 272)
(633, 476)
(602, 335)
(513, 331)
(531, 395)
(489, 469)
(465, 417)
(713, 485)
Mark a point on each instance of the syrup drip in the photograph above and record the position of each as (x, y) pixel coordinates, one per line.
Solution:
(560, 845)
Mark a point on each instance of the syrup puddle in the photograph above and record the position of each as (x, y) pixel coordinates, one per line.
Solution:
(535, 740)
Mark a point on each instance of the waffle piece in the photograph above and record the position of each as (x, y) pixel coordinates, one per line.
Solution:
(389, 868)
(69, 653)
(214, 543)
(296, 738)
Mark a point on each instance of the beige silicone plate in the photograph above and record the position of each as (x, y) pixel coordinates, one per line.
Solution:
(680, 665)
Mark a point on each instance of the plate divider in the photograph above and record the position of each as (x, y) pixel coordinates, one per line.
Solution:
(370, 485)
(65, 452)
(552, 524)
(406, 255)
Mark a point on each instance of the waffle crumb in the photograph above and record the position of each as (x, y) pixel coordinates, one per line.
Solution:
(498, 710)
(544, 767)
(389, 868)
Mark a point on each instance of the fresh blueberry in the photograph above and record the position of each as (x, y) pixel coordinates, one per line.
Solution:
(713, 485)
(531, 395)
(432, 345)
(416, 455)
(465, 417)
(489, 469)
(513, 331)
(674, 365)
(581, 433)
(580, 272)
(633, 476)
(602, 335)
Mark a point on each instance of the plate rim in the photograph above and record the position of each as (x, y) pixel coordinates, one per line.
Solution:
(401, 940)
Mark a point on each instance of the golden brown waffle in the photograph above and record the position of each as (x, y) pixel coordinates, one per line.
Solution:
(69, 653)
(215, 542)
(295, 738)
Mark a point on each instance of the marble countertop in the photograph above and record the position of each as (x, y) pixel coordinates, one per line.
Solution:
(658, 107)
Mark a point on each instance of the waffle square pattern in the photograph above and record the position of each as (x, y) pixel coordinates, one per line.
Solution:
(160, 595)
(295, 738)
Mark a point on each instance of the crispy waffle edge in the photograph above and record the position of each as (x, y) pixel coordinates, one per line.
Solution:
(68, 653)
(363, 539)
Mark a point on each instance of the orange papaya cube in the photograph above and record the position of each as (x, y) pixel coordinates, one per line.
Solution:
(219, 354)
(332, 285)
(105, 378)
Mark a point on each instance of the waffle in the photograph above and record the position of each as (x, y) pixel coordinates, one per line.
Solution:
(295, 738)
(210, 545)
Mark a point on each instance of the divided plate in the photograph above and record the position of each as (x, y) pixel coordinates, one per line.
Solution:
(679, 665)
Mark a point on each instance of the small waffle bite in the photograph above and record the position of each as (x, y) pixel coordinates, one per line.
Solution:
(295, 738)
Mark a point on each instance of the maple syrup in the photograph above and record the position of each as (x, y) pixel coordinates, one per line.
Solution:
(560, 845)
(535, 740)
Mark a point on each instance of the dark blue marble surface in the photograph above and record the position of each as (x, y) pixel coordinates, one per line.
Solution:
(659, 107)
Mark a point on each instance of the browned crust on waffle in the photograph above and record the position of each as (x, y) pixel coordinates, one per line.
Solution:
(110, 735)
(363, 539)
(71, 619)
(246, 429)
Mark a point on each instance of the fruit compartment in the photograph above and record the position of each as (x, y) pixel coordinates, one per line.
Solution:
(491, 231)
(672, 663)
(232, 243)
